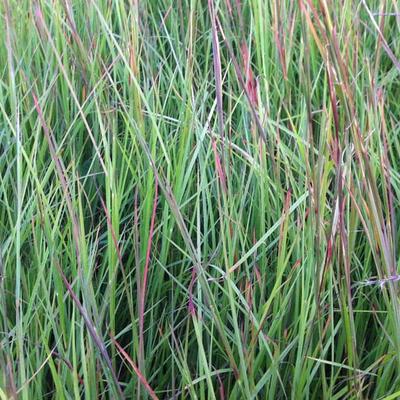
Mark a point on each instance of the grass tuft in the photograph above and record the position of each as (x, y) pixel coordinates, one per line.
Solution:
(199, 199)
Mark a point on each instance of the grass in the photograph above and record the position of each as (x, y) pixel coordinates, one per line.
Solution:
(198, 200)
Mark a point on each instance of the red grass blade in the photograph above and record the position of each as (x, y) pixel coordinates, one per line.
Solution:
(142, 298)
(140, 376)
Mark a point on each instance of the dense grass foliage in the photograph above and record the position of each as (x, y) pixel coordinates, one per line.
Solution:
(198, 200)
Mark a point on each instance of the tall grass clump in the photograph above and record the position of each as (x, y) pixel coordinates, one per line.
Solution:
(199, 199)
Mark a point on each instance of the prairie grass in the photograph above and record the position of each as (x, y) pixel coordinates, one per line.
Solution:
(198, 200)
